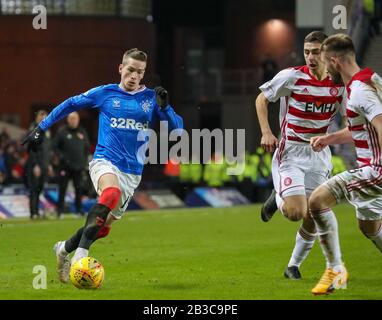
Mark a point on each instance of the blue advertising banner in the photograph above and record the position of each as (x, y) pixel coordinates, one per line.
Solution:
(215, 197)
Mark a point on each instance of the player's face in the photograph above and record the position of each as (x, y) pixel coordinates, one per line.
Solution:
(312, 56)
(331, 64)
(132, 72)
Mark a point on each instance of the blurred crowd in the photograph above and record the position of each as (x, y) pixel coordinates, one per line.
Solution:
(13, 159)
(255, 181)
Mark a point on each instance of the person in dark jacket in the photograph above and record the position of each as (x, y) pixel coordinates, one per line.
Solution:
(37, 166)
(71, 144)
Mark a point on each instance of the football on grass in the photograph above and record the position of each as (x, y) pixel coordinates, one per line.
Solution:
(87, 273)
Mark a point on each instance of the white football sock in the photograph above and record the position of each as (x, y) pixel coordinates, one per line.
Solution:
(327, 229)
(79, 254)
(304, 243)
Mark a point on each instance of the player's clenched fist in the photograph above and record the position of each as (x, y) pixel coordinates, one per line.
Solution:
(318, 143)
(269, 142)
(33, 138)
(161, 97)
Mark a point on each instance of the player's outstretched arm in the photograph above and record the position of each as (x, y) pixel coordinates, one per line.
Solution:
(35, 137)
(91, 98)
(268, 140)
(320, 142)
(68, 106)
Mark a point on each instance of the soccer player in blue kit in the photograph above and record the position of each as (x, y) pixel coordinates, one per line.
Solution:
(125, 109)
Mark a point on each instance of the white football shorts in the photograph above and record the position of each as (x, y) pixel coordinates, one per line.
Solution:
(362, 187)
(127, 183)
(298, 170)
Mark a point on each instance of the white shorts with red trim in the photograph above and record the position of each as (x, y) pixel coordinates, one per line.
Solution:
(298, 170)
(127, 182)
(362, 188)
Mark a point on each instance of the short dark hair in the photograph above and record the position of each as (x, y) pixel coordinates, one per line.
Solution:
(315, 36)
(40, 112)
(339, 43)
(135, 54)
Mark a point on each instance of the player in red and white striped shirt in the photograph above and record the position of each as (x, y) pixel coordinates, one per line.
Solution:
(362, 187)
(309, 100)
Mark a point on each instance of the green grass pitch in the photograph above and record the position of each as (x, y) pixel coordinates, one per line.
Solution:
(187, 254)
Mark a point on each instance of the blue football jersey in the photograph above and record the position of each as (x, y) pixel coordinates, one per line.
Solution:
(122, 116)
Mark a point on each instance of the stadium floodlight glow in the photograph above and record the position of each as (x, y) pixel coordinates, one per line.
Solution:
(276, 25)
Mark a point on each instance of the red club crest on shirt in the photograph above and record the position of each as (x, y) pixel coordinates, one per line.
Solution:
(333, 92)
(287, 181)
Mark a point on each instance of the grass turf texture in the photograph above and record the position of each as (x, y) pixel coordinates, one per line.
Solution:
(187, 254)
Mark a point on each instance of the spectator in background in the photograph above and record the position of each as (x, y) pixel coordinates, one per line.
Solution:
(377, 16)
(214, 174)
(4, 136)
(54, 173)
(171, 172)
(10, 159)
(195, 171)
(2, 177)
(190, 176)
(71, 144)
(14, 163)
(37, 166)
(2, 166)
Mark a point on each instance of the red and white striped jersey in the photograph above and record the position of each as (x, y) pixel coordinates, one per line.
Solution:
(307, 105)
(364, 103)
